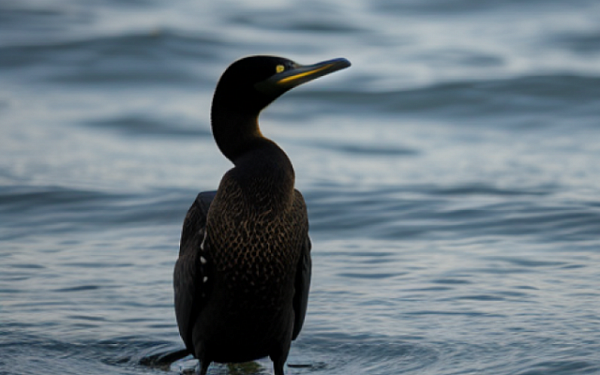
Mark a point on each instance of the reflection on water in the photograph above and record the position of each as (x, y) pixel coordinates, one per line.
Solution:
(450, 176)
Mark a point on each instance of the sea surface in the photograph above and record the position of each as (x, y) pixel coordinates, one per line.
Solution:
(452, 176)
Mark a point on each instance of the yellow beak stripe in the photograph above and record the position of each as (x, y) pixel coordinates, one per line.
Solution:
(303, 74)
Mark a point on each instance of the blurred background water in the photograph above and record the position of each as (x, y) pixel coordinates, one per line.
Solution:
(452, 176)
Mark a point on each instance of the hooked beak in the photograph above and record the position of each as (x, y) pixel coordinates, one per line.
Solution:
(290, 78)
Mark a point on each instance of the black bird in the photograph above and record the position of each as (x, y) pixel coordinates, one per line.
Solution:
(243, 273)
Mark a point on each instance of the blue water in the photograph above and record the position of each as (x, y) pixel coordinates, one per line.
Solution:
(452, 176)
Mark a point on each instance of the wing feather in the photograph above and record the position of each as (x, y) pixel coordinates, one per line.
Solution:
(190, 269)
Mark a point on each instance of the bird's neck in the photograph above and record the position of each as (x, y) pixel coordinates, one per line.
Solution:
(265, 176)
(257, 159)
(234, 132)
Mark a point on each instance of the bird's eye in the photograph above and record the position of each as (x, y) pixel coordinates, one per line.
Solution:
(280, 68)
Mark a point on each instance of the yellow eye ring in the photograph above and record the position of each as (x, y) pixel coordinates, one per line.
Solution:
(280, 68)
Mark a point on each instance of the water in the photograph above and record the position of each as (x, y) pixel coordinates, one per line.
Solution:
(451, 176)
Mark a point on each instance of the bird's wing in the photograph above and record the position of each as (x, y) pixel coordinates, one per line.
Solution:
(191, 268)
(302, 285)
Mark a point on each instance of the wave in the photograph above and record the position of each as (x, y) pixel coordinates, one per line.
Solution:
(465, 6)
(560, 94)
(157, 56)
(52, 209)
(406, 213)
(136, 125)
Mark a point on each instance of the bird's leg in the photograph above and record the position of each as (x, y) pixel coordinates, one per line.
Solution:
(280, 353)
(202, 367)
(278, 367)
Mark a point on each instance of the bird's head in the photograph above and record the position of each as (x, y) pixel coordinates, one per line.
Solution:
(252, 83)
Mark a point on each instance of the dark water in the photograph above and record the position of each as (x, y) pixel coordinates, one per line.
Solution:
(452, 177)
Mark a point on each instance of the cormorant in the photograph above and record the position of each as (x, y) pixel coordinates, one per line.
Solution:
(242, 278)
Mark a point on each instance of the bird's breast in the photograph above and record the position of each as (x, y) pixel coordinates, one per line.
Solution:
(255, 258)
